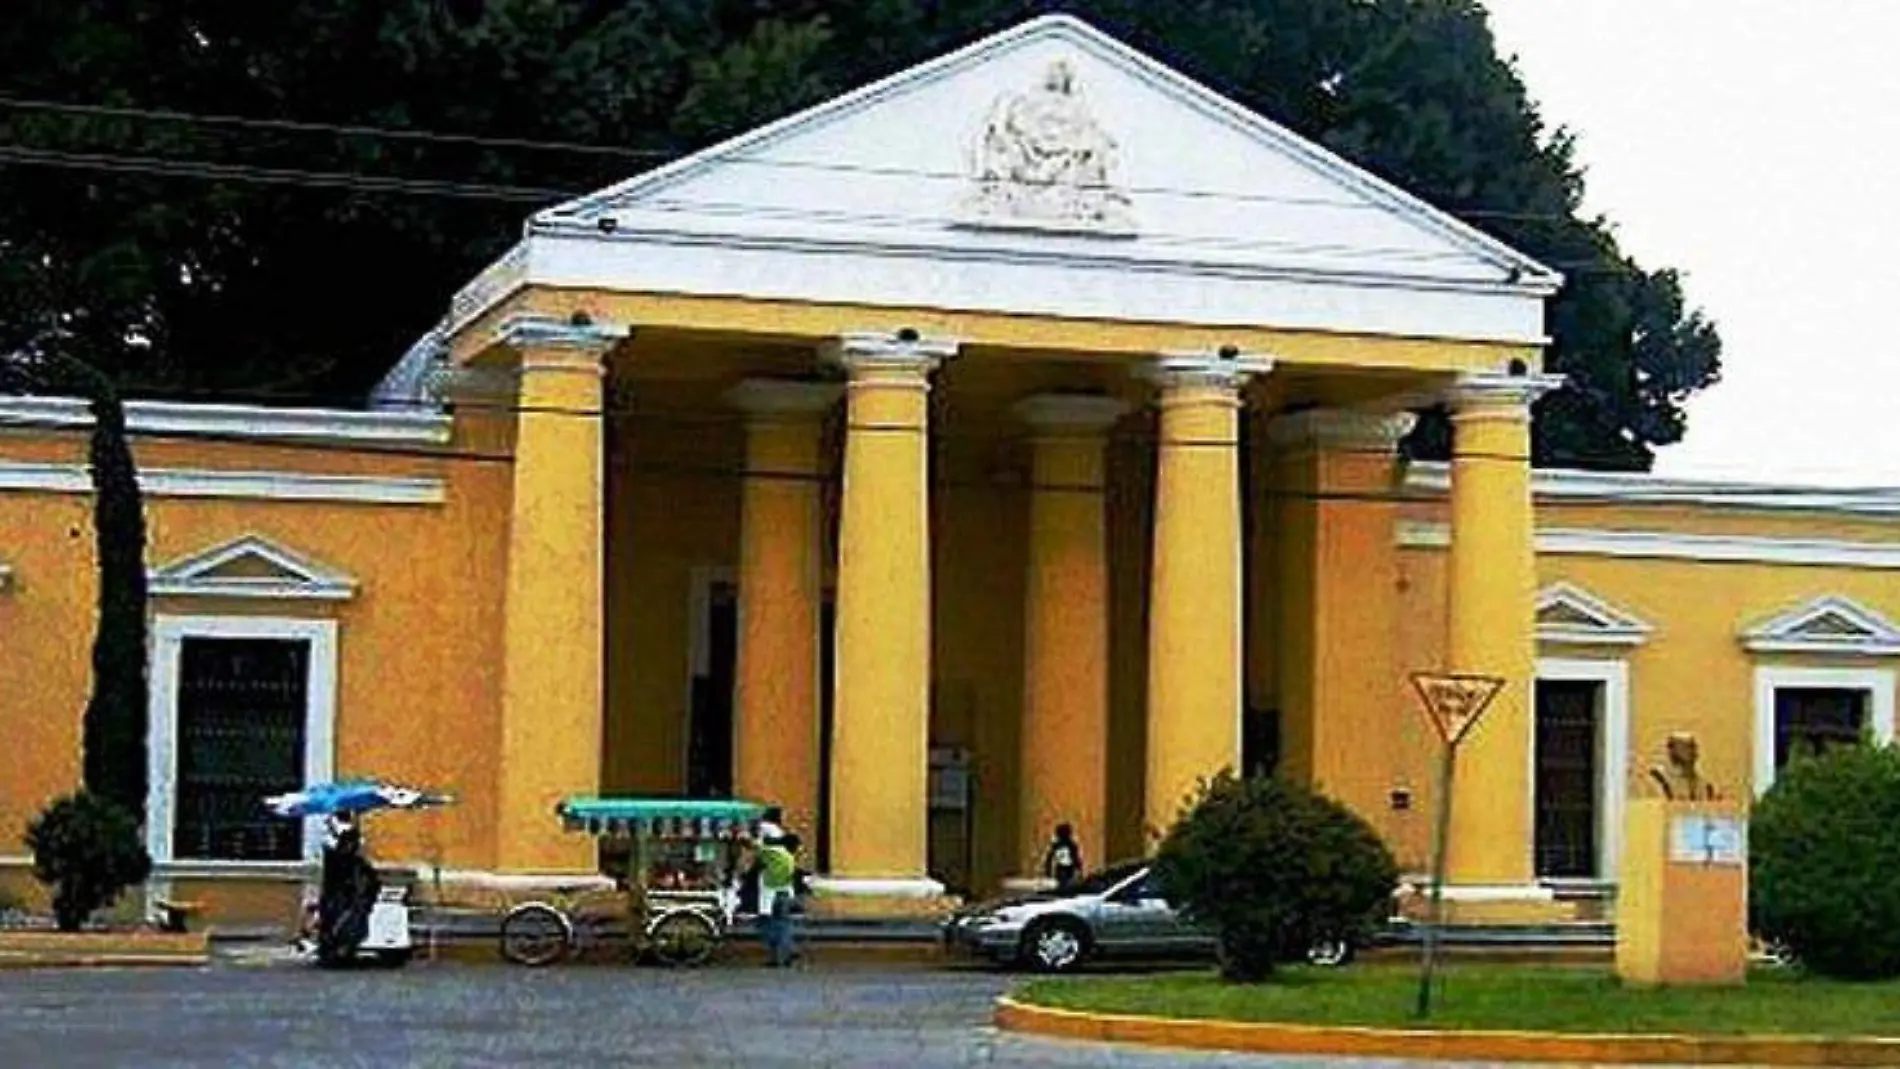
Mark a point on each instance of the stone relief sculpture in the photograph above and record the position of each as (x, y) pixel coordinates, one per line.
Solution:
(1041, 161)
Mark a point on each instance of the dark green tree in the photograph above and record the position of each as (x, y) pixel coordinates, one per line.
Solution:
(1412, 89)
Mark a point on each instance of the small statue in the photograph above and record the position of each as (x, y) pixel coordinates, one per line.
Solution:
(1682, 779)
(1042, 157)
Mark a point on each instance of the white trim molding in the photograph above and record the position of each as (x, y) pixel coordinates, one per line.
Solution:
(1827, 625)
(291, 575)
(1433, 478)
(1490, 892)
(169, 633)
(1613, 748)
(1674, 545)
(243, 485)
(160, 418)
(1569, 615)
(1878, 683)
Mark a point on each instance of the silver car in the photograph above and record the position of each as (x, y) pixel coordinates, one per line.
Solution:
(1117, 913)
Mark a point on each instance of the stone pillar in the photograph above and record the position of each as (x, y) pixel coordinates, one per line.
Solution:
(881, 711)
(1194, 601)
(1065, 635)
(551, 712)
(1491, 584)
(775, 692)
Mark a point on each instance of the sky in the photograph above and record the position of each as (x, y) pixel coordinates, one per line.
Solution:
(1755, 146)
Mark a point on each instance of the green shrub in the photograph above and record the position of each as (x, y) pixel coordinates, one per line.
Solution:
(1824, 857)
(87, 850)
(1273, 869)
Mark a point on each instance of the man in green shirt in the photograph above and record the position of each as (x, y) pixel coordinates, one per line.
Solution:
(778, 887)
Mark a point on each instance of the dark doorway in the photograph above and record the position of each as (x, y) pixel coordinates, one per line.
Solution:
(1815, 719)
(1566, 778)
(709, 728)
(1260, 742)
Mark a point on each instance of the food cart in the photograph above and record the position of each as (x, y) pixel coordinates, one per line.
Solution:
(673, 894)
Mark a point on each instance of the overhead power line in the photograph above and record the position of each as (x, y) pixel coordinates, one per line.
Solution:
(658, 156)
(286, 176)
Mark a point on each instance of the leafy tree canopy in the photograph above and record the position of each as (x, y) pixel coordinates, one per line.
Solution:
(214, 282)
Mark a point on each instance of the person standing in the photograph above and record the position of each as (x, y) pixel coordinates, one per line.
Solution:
(1062, 862)
(778, 888)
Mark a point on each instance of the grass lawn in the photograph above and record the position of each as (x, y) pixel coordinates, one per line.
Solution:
(1550, 999)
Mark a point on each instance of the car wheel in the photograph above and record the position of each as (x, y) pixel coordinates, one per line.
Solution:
(1054, 946)
(1330, 953)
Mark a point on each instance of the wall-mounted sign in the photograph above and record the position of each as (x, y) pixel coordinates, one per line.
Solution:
(1704, 839)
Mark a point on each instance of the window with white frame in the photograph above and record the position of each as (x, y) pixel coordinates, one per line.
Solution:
(1811, 709)
(242, 708)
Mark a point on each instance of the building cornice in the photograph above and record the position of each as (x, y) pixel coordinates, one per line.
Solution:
(1675, 545)
(1642, 488)
(186, 419)
(221, 483)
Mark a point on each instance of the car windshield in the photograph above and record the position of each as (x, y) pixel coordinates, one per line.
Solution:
(1101, 880)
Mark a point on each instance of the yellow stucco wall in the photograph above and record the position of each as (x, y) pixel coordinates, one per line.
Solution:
(417, 690)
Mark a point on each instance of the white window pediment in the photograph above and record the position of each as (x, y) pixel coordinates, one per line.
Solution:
(1831, 624)
(250, 567)
(1568, 614)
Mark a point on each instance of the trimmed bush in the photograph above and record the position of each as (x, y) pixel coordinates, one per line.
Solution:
(1824, 857)
(1273, 869)
(88, 850)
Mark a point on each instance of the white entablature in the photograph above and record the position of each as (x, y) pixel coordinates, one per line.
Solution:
(1047, 170)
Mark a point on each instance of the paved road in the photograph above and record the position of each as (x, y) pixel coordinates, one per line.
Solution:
(449, 1015)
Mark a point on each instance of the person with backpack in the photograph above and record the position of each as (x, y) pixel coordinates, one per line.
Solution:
(1062, 862)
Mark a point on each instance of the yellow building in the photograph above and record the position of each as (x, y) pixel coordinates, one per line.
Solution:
(1008, 442)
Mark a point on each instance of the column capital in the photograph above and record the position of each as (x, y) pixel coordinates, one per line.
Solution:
(1490, 390)
(905, 350)
(780, 400)
(533, 330)
(1070, 413)
(1226, 368)
(1343, 429)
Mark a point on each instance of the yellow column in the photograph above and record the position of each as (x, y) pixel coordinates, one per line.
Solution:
(1065, 633)
(551, 653)
(775, 694)
(881, 711)
(1194, 602)
(1491, 590)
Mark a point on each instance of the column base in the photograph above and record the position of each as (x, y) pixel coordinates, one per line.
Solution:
(845, 897)
(1487, 905)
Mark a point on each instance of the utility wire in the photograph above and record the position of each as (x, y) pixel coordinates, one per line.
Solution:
(668, 155)
(1743, 493)
(104, 111)
(354, 182)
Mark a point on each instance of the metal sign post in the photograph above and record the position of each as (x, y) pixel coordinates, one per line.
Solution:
(1453, 702)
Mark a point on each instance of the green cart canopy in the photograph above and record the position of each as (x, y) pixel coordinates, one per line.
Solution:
(662, 818)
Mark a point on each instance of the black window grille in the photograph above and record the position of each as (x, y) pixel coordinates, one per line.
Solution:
(241, 736)
(1815, 719)
(1566, 784)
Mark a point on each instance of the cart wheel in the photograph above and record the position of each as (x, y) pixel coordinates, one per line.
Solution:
(535, 934)
(682, 938)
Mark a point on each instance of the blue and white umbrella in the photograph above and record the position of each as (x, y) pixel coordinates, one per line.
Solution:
(352, 796)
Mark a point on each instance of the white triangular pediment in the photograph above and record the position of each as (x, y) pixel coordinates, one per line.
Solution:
(250, 567)
(1047, 169)
(1831, 624)
(1569, 614)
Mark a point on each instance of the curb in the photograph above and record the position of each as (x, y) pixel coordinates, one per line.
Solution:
(1263, 1038)
(100, 961)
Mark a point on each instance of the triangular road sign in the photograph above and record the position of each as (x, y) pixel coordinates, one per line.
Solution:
(1455, 700)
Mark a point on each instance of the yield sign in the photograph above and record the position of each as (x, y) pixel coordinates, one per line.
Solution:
(1455, 700)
